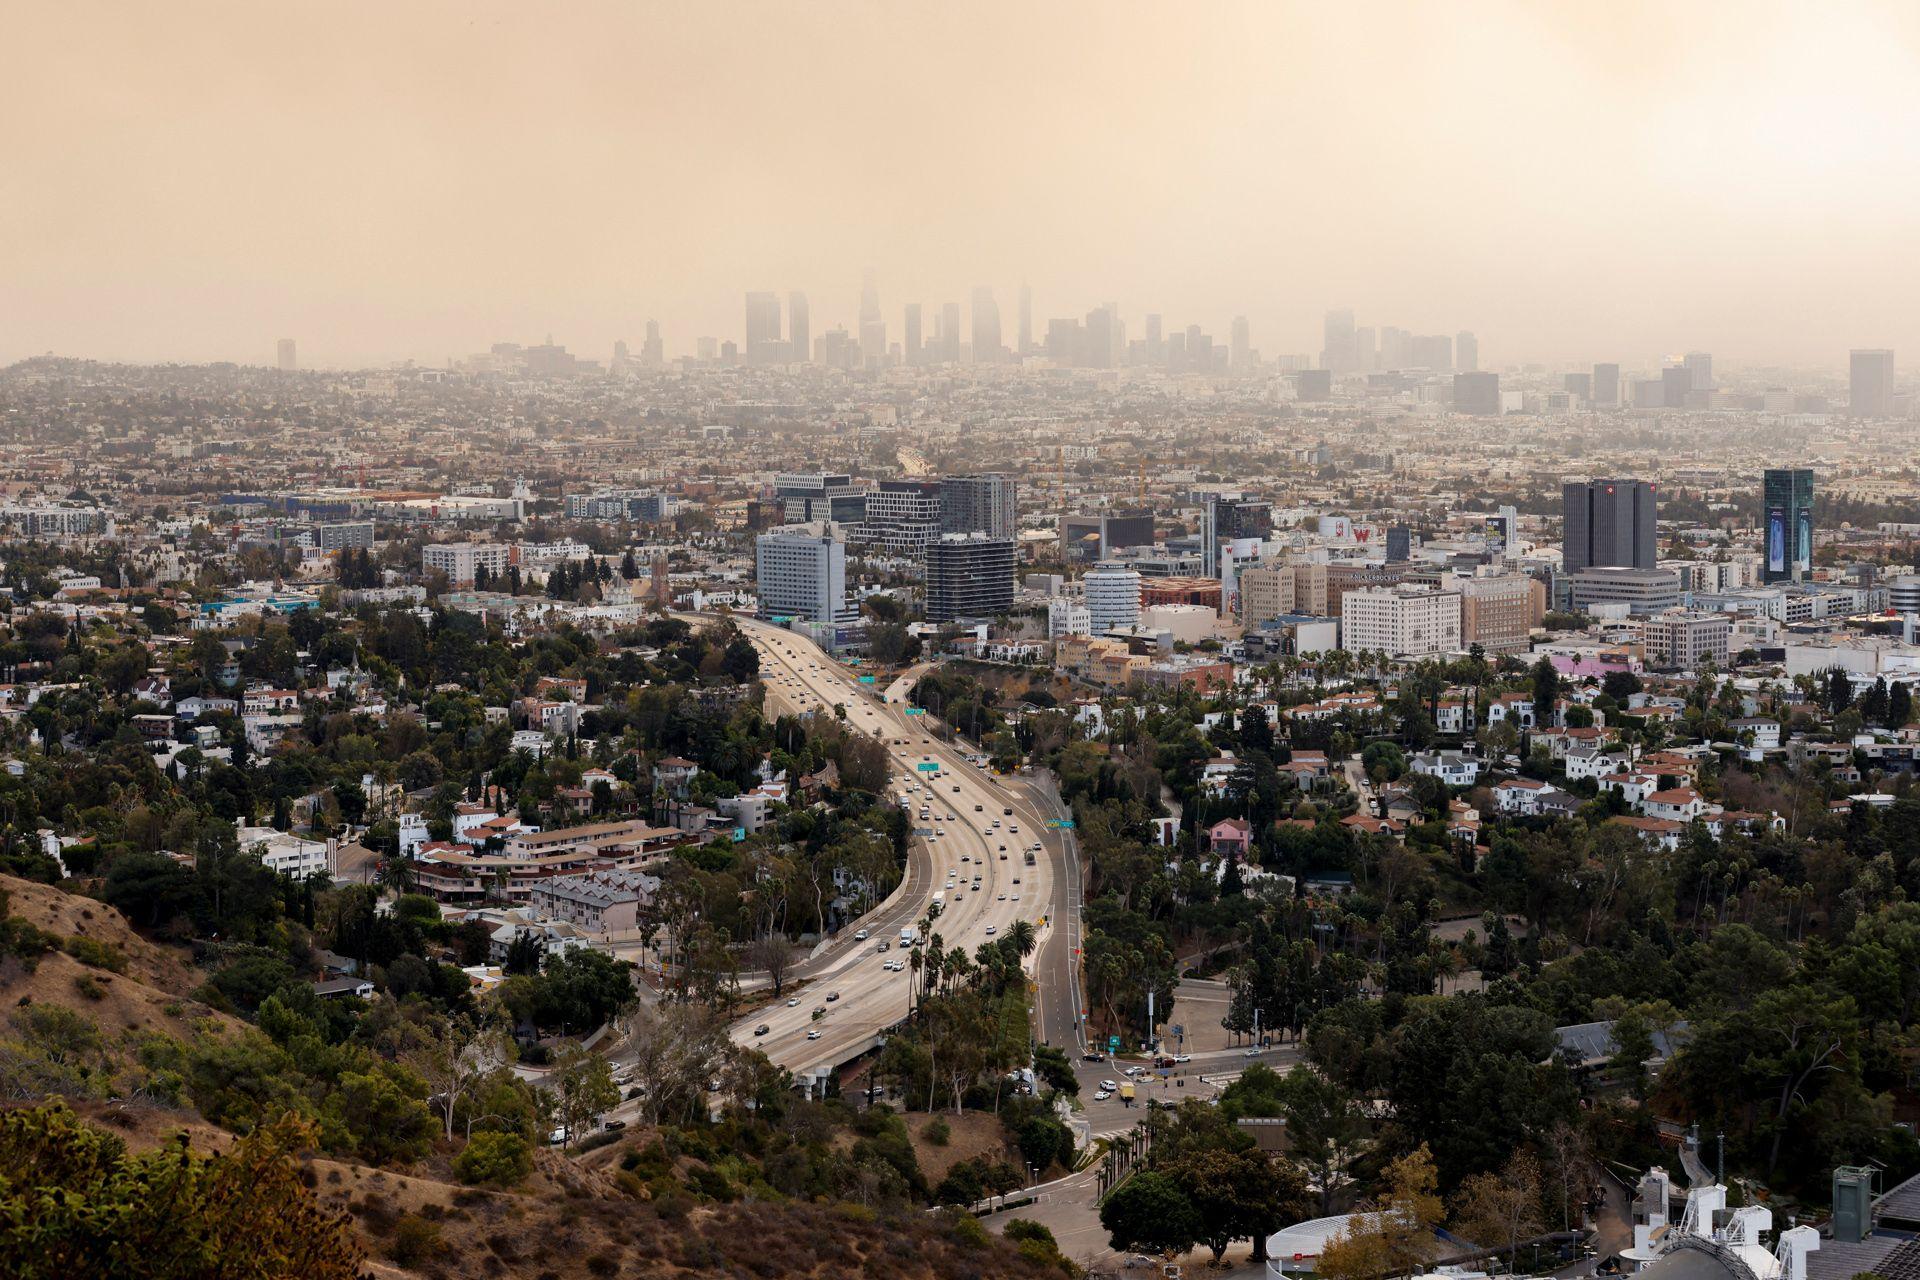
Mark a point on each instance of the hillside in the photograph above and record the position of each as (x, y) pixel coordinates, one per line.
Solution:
(575, 1217)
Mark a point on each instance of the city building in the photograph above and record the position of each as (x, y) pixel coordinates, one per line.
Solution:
(1477, 393)
(1606, 386)
(1608, 523)
(461, 561)
(1089, 539)
(801, 572)
(799, 328)
(287, 360)
(1269, 591)
(969, 576)
(1870, 383)
(1678, 640)
(1402, 622)
(985, 503)
(1113, 597)
(902, 517)
(1500, 613)
(1642, 591)
(1788, 525)
(763, 330)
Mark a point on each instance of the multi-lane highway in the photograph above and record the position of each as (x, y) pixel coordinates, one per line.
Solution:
(972, 833)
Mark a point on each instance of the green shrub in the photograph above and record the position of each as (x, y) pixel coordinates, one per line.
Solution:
(100, 955)
(414, 1241)
(939, 1133)
(496, 1159)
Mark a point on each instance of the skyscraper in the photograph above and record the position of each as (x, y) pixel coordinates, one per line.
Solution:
(1242, 341)
(1788, 498)
(950, 332)
(799, 329)
(873, 327)
(968, 576)
(1870, 383)
(986, 326)
(1026, 320)
(1607, 523)
(1156, 344)
(1477, 393)
(1336, 341)
(911, 351)
(1606, 386)
(288, 361)
(1466, 352)
(763, 328)
(980, 504)
(653, 352)
(1699, 366)
(1676, 380)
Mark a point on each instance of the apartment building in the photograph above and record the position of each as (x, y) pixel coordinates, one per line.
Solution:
(1681, 640)
(801, 572)
(461, 561)
(1281, 590)
(1499, 614)
(969, 575)
(1404, 622)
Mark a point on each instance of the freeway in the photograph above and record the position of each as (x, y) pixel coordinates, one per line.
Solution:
(972, 831)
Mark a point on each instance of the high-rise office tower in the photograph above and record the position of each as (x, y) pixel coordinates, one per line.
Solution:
(873, 326)
(1676, 380)
(288, 361)
(763, 328)
(1399, 544)
(1396, 348)
(1607, 523)
(1870, 383)
(1026, 320)
(1578, 385)
(799, 329)
(912, 353)
(1242, 344)
(1788, 498)
(1364, 353)
(980, 504)
(1466, 352)
(1477, 393)
(950, 332)
(1606, 386)
(968, 576)
(1156, 344)
(1336, 341)
(653, 352)
(1100, 337)
(1699, 366)
(986, 326)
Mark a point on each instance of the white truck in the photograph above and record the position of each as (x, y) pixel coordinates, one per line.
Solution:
(909, 936)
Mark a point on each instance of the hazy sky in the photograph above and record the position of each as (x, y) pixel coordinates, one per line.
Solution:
(1579, 182)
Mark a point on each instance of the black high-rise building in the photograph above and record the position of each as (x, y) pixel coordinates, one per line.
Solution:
(1608, 523)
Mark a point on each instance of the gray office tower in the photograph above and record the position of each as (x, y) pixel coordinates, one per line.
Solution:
(969, 575)
(799, 329)
(1399, 544)
(1870, 384)
(1608, 523)
(1606, 386)
(1477, 393)
(986, 504)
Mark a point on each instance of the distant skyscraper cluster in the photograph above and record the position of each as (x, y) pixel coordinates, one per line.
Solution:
(1347, 349)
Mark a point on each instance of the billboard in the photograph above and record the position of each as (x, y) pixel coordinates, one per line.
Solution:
(1777, 540)
(1497, 534)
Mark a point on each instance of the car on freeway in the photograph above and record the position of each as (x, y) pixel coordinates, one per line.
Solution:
(814, 1034)
(832, 996)
(860, 936)
(991, 930)
(793, 1003)
(762, 1029)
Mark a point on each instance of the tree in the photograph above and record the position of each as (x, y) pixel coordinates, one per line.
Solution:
(495, 1159)
(583, 1087)
(774, 954)
(1149, 1213)
(1546, 692)
(1502, 1208)
(74, 1203)
(1397, 1238)
(1241, 1195)
(1324, 1126)
(375, 1116)
(1899, 705)
(457, 1055)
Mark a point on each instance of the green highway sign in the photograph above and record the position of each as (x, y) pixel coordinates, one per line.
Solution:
(927, 766)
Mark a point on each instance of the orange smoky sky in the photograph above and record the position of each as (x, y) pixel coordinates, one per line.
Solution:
(191, 181)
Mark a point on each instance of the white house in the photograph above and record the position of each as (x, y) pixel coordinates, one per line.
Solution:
(1451, 767)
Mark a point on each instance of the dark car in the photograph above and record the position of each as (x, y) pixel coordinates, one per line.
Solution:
(761, 1029)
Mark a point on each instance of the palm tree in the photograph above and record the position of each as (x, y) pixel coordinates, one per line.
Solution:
(1024, 939)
